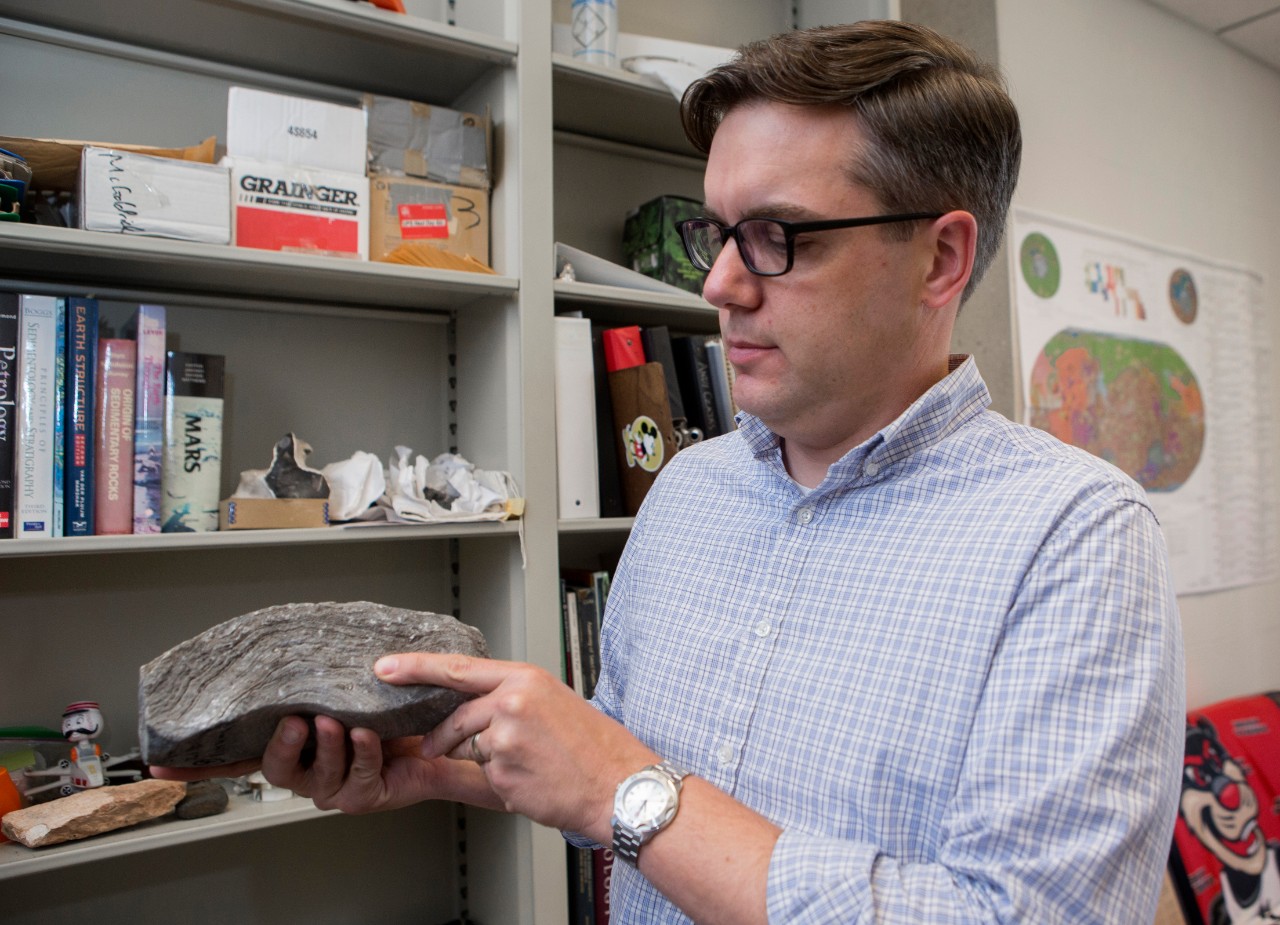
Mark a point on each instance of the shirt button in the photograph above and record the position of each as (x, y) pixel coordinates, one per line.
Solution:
(806, 515)
(762, 628)
(870, 469)
(725, 753)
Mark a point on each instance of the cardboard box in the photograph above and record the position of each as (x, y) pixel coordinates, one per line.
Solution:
(55, 162)
(429, 142)
(127, 193)
(407, 210)
(652, 246)
(281, 208)
(277, 129)
(272, 513)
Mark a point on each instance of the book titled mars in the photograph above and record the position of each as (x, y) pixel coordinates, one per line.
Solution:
(192, 471)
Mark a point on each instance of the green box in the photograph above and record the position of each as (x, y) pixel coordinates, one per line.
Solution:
(651, 245)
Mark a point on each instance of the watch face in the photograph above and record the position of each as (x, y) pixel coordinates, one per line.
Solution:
(645, 801)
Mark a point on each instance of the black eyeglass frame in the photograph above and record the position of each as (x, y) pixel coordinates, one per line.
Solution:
(789, 232)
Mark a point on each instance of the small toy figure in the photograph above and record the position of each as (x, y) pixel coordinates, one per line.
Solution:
(89, 764)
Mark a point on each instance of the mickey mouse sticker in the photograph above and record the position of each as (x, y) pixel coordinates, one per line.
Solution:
(644, 444)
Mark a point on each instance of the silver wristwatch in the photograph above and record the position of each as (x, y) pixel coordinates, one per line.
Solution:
(643, 806)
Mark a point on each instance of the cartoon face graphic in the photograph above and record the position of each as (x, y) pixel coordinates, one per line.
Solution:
(644, 445)
(81, 722)
(1218, 805)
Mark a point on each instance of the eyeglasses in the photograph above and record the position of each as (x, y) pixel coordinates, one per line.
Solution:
(767, 245)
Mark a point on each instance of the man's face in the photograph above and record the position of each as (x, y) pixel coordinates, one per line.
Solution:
(830, 352)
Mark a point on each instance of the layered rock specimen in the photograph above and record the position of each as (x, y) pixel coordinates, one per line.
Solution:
(218, 697)
(92, 812)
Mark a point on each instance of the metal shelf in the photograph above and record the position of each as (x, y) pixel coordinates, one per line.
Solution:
(326, 41)
(70, 257)
(243, 814)
(196, 542)
(618, 304)
(616, 105)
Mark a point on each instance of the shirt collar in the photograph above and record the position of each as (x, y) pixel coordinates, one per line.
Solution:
(930, 418)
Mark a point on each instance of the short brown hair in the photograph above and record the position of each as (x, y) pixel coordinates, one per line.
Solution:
(942, 132)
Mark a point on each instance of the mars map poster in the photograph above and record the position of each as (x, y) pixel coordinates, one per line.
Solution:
(1158, 362)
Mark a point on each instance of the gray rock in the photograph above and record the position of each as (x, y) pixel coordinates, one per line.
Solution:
(218, 697)
(204, 798)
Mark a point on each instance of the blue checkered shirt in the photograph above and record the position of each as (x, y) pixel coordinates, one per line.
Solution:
(952, 673)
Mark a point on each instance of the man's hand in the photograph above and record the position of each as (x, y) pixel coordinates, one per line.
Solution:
(545, 751)
(526, 743)
(360, 776)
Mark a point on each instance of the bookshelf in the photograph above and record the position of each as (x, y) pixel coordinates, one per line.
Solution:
(350, 356)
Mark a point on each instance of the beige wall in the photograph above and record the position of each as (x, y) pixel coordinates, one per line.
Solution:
(1139, 122)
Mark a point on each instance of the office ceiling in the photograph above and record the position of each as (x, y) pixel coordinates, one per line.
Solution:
(1253, 26)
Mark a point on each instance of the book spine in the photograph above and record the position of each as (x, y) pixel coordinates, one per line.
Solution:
(148, 436)
(581, 882)
(33, 477)
(574, 633)
(589, 631)
(59, 416)
(191, 473)
(721, 384)
(695, 383)
(8, 409)
(113, 423)
(602, 864)
(82, 360)
(576, 465)
(611, 499)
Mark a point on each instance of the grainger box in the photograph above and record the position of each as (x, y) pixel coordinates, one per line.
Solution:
(407, 210)
(281, 208)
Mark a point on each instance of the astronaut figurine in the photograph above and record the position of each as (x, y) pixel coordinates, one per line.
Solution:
(88, 766)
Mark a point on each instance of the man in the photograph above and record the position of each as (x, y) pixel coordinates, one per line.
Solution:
(895, 658)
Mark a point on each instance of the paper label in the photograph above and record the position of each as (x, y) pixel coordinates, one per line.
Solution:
(423, 220)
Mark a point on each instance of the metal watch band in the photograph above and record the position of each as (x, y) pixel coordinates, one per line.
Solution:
(627, 841)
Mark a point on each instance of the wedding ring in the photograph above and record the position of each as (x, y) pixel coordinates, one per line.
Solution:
(476, 754)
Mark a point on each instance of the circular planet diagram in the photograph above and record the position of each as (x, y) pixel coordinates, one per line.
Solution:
(1040, 266)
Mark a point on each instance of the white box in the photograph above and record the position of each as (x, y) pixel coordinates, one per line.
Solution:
(279, 207)
(277, 129)
(161, 197)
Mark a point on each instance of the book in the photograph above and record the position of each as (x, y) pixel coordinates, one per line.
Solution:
(191, 471)
(602, 875)
(566, 674)
(611, 501)
(658, 349)
(581, 866)
(148, 328)
(8, 408)
(33, 473)
(643, 436)
(591, 589)
(573, 637)
(589, 634)
(576, 463)
(59, 413)
(721, 384)
(113, 433)
(693, 376)
(82, 363)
